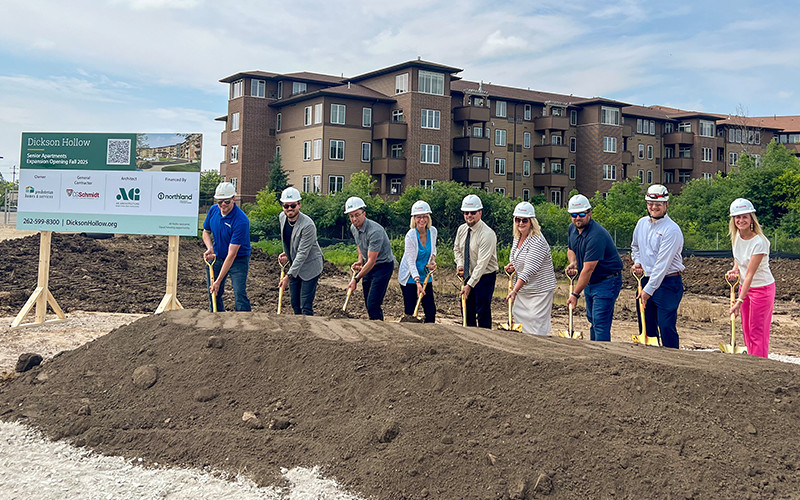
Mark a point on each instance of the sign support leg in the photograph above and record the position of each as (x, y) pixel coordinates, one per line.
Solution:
(170, 301)
(41, 296)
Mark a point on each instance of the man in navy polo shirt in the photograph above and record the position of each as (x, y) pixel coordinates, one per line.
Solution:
(230, 229)
(593, 253)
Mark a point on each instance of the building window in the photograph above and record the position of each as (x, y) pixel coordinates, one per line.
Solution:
(733, 158)
(397, 150)
(556, 168)
(639, 125)
(652, 127)
(757, 160)
(335, 183)
(306, 183)
(669, 152)
(739, 135)
(685, 127)
(258, 88)
(669, 178)
(235, 182)
(500, 109)
(641, 151)
(641, 176)
(708, 154)
(499, 137)
(572, 169)
(556, 140)
(237, 89)
(609, 172)
(476, 131)
(649, 176)
(526, 168)
(649, 152)
(555, 198)
(235, 154)
(366, 151)
(669, 128)
(431, 118)
(528, 111)
(395, 185)
(318, 113)
(431, 83)
(317, 149)
(316, 183)
(426, 183)
(573, 117)
(337, 150)
(477, 162)
(277, 150)
(526, 194)
(707, 129)
(609, 144)
(757, 138)
(298, 88)
(720, 154)
(557, 111)
(526, 140)
(429, 153)
(278, 122)
(645, 127)
(307, 116)
(707, 176)
(499, 166)
(366, 117)
(609, 116)
(337, 114)
(401, 84)
(397, 115)
(684, 176)
(234, 121)
(307, 151)
(573, 144)
(685, 152)
(280, 90)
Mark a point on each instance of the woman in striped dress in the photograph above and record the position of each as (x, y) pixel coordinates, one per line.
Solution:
(535, 281)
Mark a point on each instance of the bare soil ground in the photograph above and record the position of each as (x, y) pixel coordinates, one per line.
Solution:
(408, 410)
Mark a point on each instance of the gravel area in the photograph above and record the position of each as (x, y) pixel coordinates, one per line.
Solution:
(34, 467)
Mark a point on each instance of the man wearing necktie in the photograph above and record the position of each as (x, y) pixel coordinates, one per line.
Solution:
(475, 252)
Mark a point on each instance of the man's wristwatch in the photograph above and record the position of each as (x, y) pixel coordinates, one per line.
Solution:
(577, 296)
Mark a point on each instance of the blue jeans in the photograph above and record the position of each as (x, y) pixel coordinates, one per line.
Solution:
(661, 312)
(479, 302)
(600, 300)
(238, 274)
(303, 293)
(375, 284)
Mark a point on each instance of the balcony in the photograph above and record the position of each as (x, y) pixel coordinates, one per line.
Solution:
(627, 157)
(678, 138)
(551, 123)
(550, 180)
(627, 131)
(678, 164)
(472, 144)
(390, 130)
(390, 166)
(471, 114)
(549, 151)
(224, 139)
(471, 175)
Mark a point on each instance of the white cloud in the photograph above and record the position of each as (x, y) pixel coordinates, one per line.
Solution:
(158, 4)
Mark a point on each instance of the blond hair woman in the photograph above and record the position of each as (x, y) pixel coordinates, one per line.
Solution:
(419, 258)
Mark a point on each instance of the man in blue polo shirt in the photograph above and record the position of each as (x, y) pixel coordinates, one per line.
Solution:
(593, 253)
(230, 229)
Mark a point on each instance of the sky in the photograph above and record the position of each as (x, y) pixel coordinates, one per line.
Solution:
(152, 66)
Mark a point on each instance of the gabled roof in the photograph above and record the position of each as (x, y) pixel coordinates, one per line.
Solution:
(646, 112)
(257, 74)
(512, 93)
(302, 76)
(784, 123)
(350, 91)
(419, 63)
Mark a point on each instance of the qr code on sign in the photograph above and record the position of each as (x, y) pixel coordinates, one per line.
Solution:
(118, 152)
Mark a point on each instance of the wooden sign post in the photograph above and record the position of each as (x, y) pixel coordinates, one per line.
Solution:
(170, 300)
(41, 296)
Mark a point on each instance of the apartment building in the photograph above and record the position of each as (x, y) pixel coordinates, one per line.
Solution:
(417, 123)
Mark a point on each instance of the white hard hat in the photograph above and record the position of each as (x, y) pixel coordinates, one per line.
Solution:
(420, 208)
(657, 192)
(290, 194)
(354, 203)
(741, 206)
(578, 203)
(471, 203)
(524, 209)
(224, 191)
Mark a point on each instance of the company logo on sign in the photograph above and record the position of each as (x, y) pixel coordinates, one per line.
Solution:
(129, 195)
(71, 193)
(180, 197)
(29, 190)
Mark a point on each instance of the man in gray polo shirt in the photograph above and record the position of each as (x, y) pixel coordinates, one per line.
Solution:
(372, 242)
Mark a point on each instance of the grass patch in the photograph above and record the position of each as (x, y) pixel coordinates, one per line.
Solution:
(270, 247)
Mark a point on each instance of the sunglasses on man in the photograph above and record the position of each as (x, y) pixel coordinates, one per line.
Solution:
(225, 202)
(473, 212)
(580, 214)
(288, 206)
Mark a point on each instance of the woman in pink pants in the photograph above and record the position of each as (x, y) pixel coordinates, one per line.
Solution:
(757, 288)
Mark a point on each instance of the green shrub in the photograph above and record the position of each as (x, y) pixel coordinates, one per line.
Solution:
(270, 247)
(341, 254)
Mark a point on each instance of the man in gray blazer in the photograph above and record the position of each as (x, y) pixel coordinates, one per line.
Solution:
(300, 247)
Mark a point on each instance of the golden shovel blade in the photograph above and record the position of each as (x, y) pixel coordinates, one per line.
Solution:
(516, 327)
(566, 335)
(730, 349)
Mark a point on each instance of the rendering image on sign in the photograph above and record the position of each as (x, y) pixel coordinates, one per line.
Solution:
(110, 183)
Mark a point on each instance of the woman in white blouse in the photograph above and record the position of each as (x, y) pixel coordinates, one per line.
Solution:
(419, 258)
(757, 289)
(535, 281)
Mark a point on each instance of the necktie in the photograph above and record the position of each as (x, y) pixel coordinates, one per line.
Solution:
(466, 255)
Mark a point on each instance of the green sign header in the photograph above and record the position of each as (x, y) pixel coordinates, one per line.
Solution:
(78, 151)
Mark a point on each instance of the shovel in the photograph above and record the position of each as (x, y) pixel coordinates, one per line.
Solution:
(280, 288)
(419, 299)
(463, 303)
(571, 334)
(732, 348)
(510, 325)
(642, 338)
(349, 292)
(211, 271)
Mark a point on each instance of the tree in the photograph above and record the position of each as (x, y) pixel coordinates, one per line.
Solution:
(277, 177)
(209, 180)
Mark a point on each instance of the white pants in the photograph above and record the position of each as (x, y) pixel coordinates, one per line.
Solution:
(533, 312)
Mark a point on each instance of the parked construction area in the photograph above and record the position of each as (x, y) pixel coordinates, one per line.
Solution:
(401, 410)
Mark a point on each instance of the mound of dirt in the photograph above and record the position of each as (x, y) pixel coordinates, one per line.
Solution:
(406, 410)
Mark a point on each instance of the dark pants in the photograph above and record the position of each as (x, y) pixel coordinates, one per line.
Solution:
(600, 300)
(238, 275)
(479, 302)
(410, 301)
(661, 311)
(375, 284)
(303, 294)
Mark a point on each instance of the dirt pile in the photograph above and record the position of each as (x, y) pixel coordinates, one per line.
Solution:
(424, 411)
